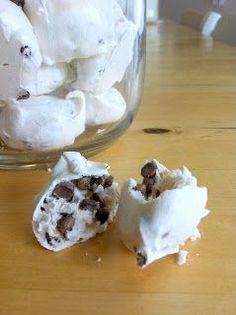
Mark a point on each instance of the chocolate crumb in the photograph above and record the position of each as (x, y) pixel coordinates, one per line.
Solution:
(5, 64)
(108, 181)
(64, 190)
(87, 204)
(148, 170)
(24, 95)
(83, 183)
(26, 51)
(65, 224)
(42, 209)
(102, 216)
(48, 238)
(141, 259)
(45, 200)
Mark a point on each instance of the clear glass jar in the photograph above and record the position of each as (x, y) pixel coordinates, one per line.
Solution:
(71, 76)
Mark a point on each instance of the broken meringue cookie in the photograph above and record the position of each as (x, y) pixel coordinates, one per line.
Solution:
(161, 213)
(79, 202)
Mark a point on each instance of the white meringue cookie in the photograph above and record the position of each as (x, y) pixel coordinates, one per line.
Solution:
(51, 209)
(46, 79)
(100, 73)
(69, 29)
(43, 122)
(19, 51)
(155, 227)
(104, 108)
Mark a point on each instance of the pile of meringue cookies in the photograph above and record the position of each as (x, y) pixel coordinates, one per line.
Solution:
(155, 217)
(59, 62)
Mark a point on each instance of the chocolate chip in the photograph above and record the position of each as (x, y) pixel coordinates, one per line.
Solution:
(148, 182)
(48, 238)
(42, 209)
(83, 183)
(64, 190)
(101, 41)
(99, 199)
(108, 181)
(98, 181)
(141, 259)
(23, 95)
(102, 70)
(165, 235)
(45, 200)
(26, 51)
(102, 216)
(157, 193)
(148, 170)
(141, 188)
(105, 202)
(65, 224)
(87, 204)
(89, 194)
(21, 3)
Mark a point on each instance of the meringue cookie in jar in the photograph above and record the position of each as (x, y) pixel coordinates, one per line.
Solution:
(71, 75)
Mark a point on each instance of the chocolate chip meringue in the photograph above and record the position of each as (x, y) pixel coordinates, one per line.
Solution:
(79, 202)
(159, 215)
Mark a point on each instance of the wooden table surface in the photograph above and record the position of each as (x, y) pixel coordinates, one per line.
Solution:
(191, 90)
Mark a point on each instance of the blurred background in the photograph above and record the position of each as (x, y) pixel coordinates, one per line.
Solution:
(174, 9)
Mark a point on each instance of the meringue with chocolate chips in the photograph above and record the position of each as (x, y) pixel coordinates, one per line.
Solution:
(79, 202)
(160, 214)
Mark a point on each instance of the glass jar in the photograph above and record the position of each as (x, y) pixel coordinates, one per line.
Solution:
(71, 75)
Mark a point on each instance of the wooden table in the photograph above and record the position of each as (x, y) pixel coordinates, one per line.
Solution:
(191, 91)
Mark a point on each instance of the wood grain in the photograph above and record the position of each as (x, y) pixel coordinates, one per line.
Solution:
(190, 90)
